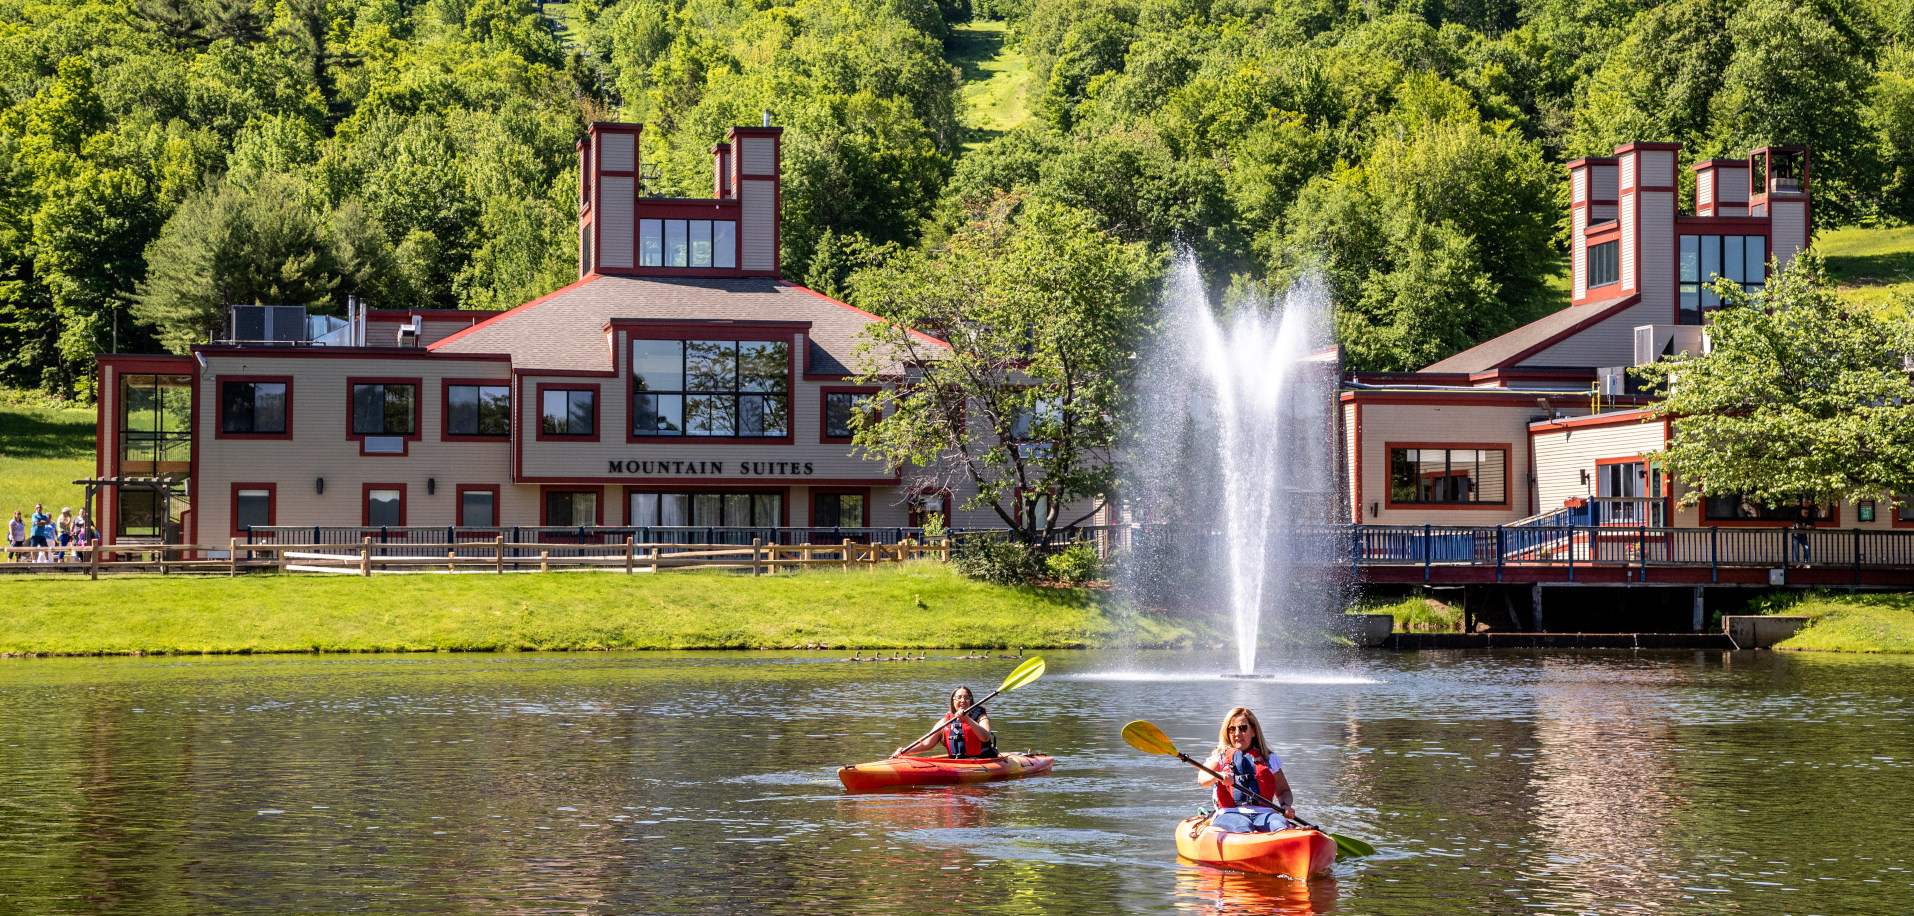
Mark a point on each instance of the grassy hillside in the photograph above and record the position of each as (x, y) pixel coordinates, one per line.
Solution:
(1869, 265)
(43, 449)
(1853, 623)
(996, 93)
(909, 606)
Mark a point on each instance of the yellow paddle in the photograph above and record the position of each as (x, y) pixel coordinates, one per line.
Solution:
(1024, 674)
(1149, 739)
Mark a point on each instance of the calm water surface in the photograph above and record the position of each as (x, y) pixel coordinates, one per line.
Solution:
(643, 783)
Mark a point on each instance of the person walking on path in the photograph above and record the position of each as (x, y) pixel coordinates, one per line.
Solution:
(41, 532)
(63, 532)
(16, 536)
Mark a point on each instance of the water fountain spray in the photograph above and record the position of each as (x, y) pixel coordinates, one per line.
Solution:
(1233, 451)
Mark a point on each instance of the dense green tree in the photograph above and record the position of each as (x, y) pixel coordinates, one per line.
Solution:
(1800, 396)
(1042, 311)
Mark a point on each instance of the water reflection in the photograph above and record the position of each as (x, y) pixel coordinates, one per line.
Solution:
(1493, 782)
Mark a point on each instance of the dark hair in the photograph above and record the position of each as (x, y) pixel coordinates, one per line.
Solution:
(953, 696)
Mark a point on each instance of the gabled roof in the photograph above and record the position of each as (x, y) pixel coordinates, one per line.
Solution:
(1510, 349)
(565, 330)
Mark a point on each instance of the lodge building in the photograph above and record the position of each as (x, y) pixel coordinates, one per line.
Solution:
(678, 382)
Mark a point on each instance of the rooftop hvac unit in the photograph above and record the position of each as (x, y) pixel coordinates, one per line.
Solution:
(1614, 381)
(1654, 341)
(268, 324)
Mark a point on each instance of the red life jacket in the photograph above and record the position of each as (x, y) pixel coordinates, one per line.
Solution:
(1241, 765)
(964, 738)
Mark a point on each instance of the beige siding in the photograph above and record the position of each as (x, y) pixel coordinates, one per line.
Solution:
(1655, 261)
(1630, 215)
(617, 152)
(1732, 187)
(1704, 188)
(1353, 498)
(1658, 168)
(1578, 255)
(437, 329)
(320, 448)
(1437, 424)
(759, 156)
(615, 227)
(1627, 167)
(1578, 186)
(1562, 455)
(1607, 343)
(1788, 229)
(758, 236)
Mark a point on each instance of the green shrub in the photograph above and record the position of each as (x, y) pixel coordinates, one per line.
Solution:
(1075, 564)
(997, 560)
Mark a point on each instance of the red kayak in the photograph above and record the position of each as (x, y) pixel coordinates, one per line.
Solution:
(1298, 853)
(940, 771)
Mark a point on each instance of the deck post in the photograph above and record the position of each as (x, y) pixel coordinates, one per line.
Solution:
(1535, 606)
(1498, 557)
(544, 561)
(627, 556)
(365, 557)
(92, 562)
(232, 558)
(450, 556)
(1700, 615)
(498, 554)
(1714, 553)
(1643, 549)
(757, 557)
(1571, 565)
(1857, 559)
(1428, 552)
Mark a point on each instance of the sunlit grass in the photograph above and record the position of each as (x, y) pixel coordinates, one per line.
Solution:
(996, 79)
(1415, 614)
(1870, 266)
(1856, 623)
(43, 449)
(910, 606)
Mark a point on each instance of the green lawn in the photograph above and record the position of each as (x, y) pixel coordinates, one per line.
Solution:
(996, 79)
(43, 449)
(1859, 623)
(1869, 265)
(916, 605)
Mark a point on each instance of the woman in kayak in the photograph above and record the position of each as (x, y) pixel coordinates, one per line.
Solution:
(1245, 762)
(968, 736)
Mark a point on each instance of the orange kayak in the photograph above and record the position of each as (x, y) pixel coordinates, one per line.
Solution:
(1298, 852)
(940, 771)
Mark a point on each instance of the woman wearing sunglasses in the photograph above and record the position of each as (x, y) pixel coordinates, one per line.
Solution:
(1245, 762)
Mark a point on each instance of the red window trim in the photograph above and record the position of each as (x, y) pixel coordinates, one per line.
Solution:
(538, 405)
(219, 421)
(779, 331)
(1893, 511)
(365, 502)
(458, 507)
(272, 504)
(784, 503)
(823, 409)
(841, 491)
(1508, 451)
(418, 412)
(598, 507)
(445, 409)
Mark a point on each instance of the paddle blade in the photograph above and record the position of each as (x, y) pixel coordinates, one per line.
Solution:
(1148, 738)
(1350, 846)
(1025, 673)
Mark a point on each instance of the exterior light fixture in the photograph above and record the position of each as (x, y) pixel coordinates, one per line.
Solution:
(431, 486)
(1375, 509)
(320, 485)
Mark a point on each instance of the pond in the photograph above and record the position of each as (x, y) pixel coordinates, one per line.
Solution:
(1504, 782)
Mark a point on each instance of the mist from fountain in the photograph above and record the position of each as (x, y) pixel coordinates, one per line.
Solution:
(1233, 446)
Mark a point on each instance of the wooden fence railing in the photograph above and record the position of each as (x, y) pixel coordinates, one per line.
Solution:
(368, 557)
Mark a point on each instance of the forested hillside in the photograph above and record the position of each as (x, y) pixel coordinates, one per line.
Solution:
(160, 158)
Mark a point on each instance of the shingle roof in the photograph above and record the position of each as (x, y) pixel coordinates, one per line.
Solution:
(566, 329)
(1506, 351)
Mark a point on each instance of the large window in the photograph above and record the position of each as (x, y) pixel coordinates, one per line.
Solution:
(385, 409)
(478, 410)
(478, 506)
(837, 510)
(711, 388)
(156, 428)
(571, 509)
(1741, 258)
(568, 412)
(723, 510)
(1448, 476)
(1904, 512)
(687, 243)
(1604, 264)
(1736, 507)
(252, 408)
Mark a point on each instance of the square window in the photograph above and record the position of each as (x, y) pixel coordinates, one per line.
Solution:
(478, 508)
(571, 509)
(385, 508)
(251, 509)
(837, 510)
(568, 412)
(478, 410)
(383, 409)
(256, 408)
